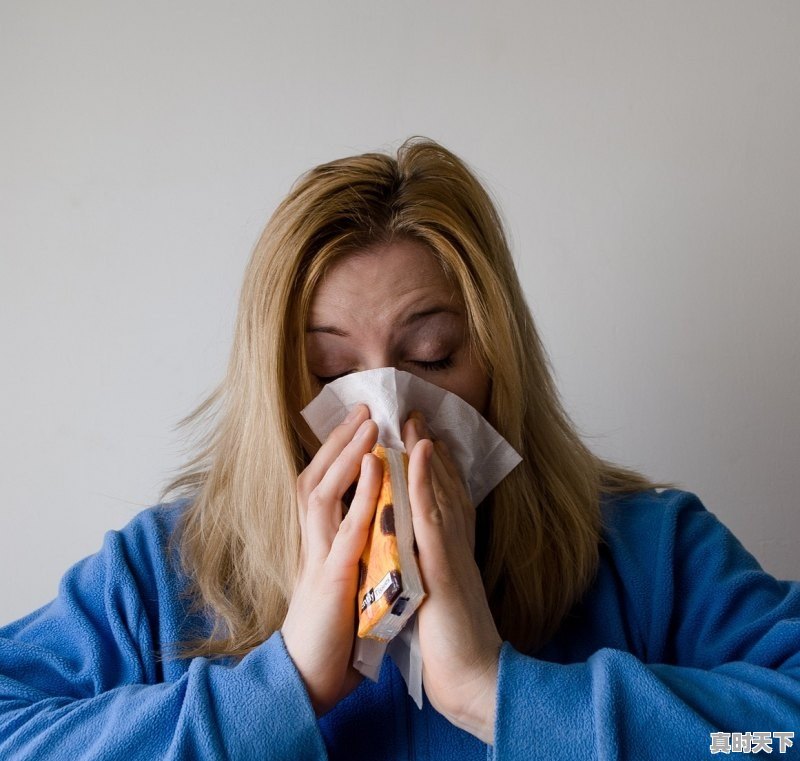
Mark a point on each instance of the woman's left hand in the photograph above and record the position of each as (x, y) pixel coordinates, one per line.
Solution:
(459, 641)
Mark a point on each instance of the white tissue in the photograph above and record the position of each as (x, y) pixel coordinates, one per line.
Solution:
(482, 455)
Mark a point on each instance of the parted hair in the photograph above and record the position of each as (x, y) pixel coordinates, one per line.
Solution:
(238, 539)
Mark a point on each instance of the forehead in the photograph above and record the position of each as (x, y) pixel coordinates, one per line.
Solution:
(383, 283)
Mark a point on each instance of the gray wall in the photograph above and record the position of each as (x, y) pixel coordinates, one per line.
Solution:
(645, 156)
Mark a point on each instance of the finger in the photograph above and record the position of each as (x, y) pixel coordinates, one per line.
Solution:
(351, 538)
(438, 527)
(414, 429)
(324, 513)
(455, 526)
(337, 440)
(444, 453)
(440, 471)
(323, 459)
(449, 470)
(458, 513)
(425, 513)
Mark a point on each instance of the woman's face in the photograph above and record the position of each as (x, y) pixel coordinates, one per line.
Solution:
(393, 307)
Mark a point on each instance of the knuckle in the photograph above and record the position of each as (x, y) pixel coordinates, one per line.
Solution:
(317, 501)
(434, 515)
(346, 527)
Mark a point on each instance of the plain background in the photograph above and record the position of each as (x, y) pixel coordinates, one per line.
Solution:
(644, 155)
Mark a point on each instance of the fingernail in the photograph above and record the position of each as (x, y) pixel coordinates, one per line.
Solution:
(353, 414)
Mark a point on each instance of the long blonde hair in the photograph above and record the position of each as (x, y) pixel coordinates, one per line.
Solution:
(239, 538)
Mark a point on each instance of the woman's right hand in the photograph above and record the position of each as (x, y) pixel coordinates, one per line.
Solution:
(320, 625)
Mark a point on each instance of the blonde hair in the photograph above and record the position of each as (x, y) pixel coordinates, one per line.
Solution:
(239, 539)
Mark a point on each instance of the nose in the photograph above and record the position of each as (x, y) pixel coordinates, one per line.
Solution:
(376, 358)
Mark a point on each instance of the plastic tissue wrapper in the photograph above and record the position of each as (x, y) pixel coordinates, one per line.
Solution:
(481, 454)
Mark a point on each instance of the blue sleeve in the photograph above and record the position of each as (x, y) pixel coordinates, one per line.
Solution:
(725, 643)
(82, 678)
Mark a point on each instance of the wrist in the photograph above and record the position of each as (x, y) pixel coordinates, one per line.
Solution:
(477, 712)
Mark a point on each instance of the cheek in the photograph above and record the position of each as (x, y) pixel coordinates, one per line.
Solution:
(479, 395)
(473, 387)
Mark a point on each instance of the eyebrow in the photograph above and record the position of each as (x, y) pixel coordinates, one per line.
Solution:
(412, 318)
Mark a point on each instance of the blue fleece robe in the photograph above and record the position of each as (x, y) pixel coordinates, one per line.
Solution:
(681, 635)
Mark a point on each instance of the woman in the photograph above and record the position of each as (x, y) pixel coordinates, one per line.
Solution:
(577, 613)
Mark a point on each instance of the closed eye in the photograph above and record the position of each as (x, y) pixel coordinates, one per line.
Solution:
(431, 366)
(326, 379)
(437, 364)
